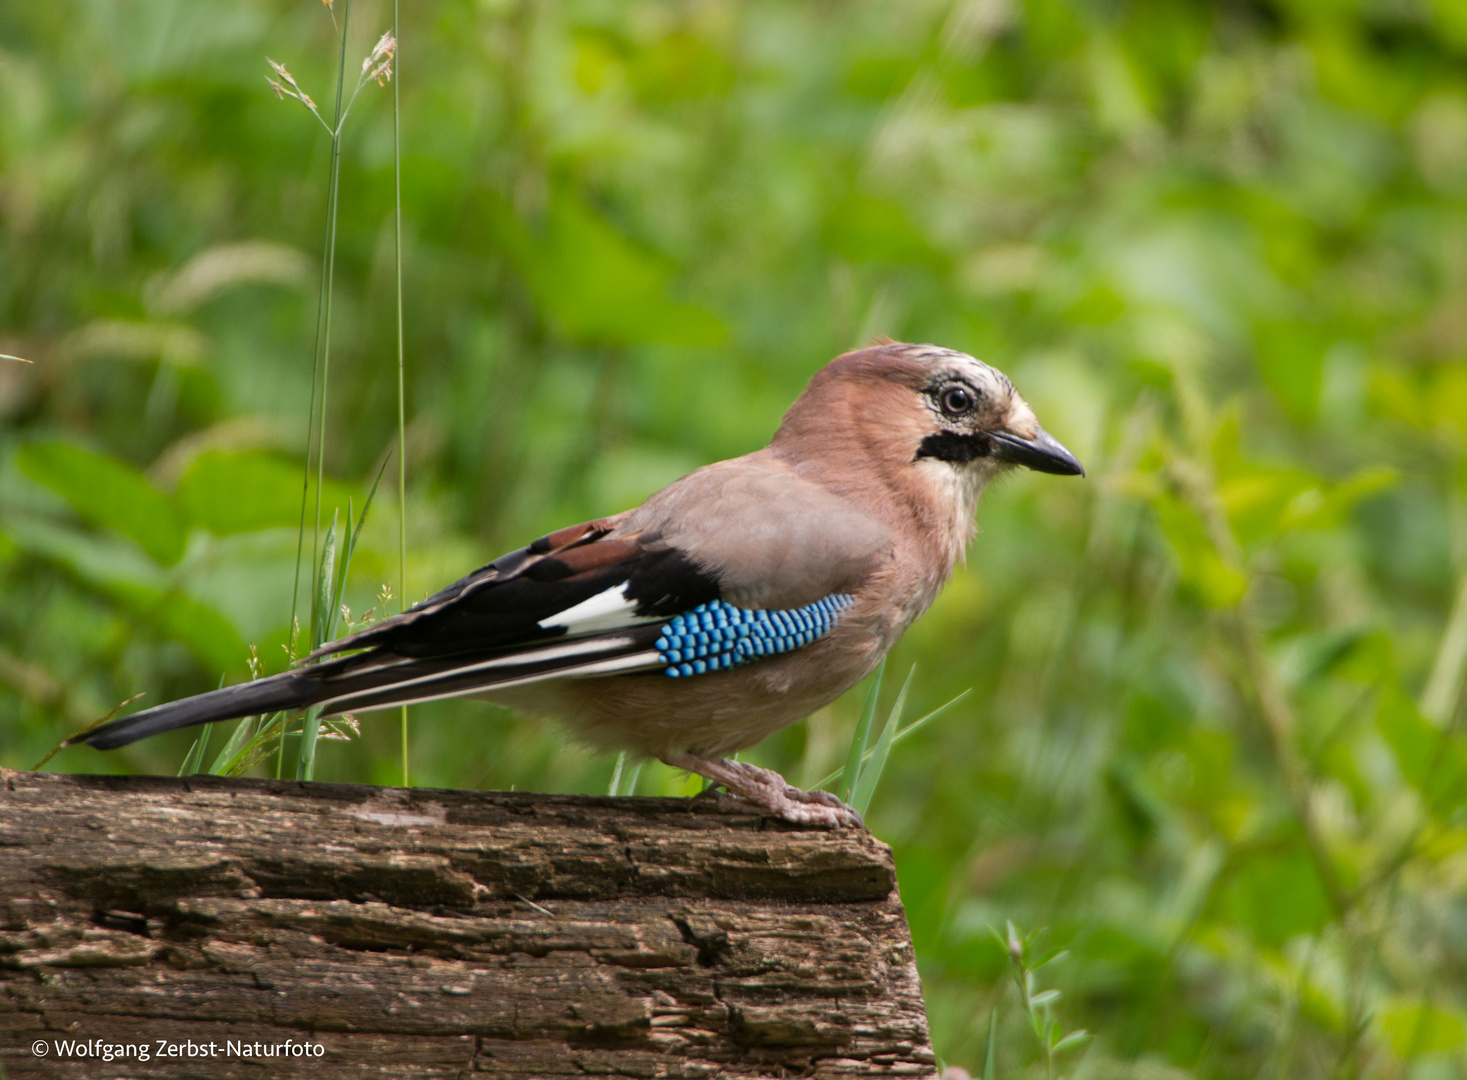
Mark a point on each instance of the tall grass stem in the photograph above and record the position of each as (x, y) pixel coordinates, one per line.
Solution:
(333, 192)
(318, 368)
(401, 363)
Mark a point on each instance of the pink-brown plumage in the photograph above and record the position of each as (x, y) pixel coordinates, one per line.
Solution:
(866, 493)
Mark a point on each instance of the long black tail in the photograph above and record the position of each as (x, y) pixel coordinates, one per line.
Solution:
(287, 690)
(381, 680)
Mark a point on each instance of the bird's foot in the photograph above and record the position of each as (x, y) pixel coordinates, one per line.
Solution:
(764, 790)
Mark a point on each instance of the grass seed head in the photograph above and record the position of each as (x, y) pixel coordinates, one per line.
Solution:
(286, 86)
(378, 65)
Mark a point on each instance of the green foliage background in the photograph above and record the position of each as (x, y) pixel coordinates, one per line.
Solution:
(1215, 743)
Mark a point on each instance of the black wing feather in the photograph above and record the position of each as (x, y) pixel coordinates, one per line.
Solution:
(480, 632)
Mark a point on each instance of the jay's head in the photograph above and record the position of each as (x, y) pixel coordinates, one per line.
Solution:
(920, 407)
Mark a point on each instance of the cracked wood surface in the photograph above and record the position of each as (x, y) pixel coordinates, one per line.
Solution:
(424, 933)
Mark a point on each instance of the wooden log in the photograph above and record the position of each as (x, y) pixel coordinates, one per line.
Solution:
(248, 928)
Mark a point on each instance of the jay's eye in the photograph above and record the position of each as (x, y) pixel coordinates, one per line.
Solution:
(957, 400)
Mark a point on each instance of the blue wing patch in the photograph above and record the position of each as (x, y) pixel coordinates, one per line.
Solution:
(715, 635)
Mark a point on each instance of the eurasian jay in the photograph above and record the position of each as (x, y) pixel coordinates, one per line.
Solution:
(731, 603)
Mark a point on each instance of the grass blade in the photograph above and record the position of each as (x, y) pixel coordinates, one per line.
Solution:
(332, 586)
(243, 732)
(305, 765)
(321, 623)
(333, 610)
(856, 754)
(871, 774)
(900, 735)
(270, 734)
(325, 581)
(195, 756)
(356, 534)
(624, 782)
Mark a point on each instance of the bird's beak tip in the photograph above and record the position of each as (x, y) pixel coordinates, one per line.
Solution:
(1042, 453)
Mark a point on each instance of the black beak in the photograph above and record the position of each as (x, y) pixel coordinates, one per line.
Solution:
(1043, 453)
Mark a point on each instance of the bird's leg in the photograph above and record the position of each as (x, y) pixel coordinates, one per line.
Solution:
(766, 790)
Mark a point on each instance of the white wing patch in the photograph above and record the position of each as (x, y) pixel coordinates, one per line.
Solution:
(642, 661)
(609, 610)
(562, 651)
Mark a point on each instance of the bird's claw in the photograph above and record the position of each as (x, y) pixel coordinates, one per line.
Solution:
(765, 791)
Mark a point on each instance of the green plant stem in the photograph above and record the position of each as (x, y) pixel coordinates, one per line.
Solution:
(318, 368)
(332, 199)
(401, 375)
(305, 765)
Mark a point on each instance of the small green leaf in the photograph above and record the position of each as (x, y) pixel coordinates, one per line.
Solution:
(1043, 998)
(1054, 956)
(109, 494)
(1070, 1041)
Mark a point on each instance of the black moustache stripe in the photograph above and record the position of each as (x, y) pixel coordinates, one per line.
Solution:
(949, 446)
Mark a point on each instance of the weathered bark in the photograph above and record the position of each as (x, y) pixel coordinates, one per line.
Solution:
(442, 933)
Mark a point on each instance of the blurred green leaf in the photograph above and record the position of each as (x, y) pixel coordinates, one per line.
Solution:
(109, 494)
(867, 228)
(598, 286)
(1277, 895)
(1431, 759)
(1072, 1040)
(1290, 359)
(1418, 1027)
(1206, 577)
(230, 493)
(679, 66)
(120, 572)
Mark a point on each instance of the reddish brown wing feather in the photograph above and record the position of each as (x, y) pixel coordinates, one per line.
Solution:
(502, 570)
